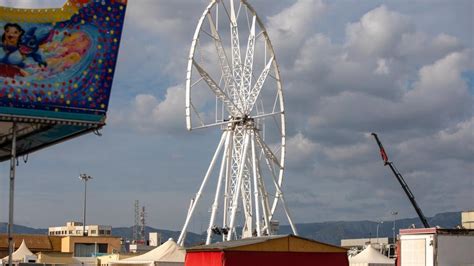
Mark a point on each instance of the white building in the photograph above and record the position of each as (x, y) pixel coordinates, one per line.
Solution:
(76, 229)
(467, 218)
(434, 246)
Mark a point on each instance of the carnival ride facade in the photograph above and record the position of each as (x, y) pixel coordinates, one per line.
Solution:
(56, 71)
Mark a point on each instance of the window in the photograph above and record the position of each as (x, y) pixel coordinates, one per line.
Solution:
(78, 232)
(107, 232)
(93, 232)
(101, 232)
(70, 232)
(89, 250)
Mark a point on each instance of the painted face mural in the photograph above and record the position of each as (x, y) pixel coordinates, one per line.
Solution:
(64, 65)
(11, 36)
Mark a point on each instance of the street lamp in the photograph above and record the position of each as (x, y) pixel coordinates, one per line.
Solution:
(85, 178)
(378, 224)
(394, 213)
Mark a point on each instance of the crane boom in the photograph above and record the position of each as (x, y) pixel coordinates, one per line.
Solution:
(402, 182)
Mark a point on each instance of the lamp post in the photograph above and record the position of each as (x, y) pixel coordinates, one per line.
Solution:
(378, 224)
(85, 178)
(394, 213)
(11, 198)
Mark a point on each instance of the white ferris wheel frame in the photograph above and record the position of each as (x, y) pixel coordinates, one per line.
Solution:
(241, 140)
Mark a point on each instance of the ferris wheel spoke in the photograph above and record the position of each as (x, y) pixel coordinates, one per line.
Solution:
(236, 57)
(253, 95)
(246, 81)
(211, 125)
(197, 114)
(221, 95)
(267, 115)
(223, 59)
(267, 151)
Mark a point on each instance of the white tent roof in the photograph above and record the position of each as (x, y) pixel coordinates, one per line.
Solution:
(371, 255)
(21, 252)
(167, 252)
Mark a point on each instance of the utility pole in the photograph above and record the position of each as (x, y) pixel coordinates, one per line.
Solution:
(12, 191)
(85, 178)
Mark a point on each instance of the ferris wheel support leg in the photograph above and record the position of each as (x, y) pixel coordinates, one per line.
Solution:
(288, 216)
(255, 184)
(227, 183)
(235, 199)
(279, 195)
(198, 194)
(215, 204)
(264, 198)
(282, 198)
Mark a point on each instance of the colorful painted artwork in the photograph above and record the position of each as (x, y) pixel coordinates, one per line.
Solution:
(60, 63)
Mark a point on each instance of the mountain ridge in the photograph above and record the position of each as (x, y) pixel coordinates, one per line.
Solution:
(330, 232)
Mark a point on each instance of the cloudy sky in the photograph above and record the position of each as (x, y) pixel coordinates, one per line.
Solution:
(403, 69)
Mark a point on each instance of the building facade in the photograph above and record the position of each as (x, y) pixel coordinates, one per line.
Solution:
(76, 229)
(90, 246)
(467, 218)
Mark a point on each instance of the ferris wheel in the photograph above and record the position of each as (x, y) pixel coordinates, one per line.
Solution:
(233, 84)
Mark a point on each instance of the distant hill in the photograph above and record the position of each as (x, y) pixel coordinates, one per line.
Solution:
(20, 229)
(328, 232)
(333, 232)
(124, 232)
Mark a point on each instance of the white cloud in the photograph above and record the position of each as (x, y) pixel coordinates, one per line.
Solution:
(291, 26)
(378, 32)
(382, 67)
(300, 151)
(452, 143)
(148, 114)
(347, 152)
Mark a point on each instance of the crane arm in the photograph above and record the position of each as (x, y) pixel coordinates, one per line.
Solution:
(402, 182)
